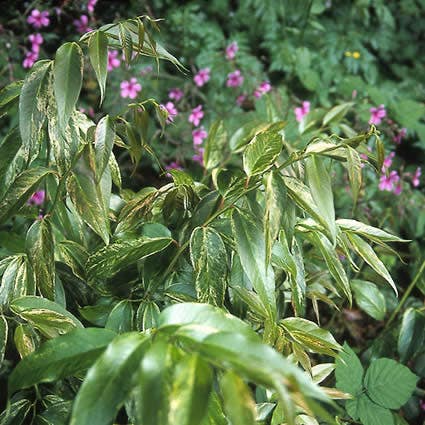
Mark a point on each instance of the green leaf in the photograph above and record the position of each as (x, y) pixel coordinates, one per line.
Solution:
(354, 171)
(192, 383)
(411, 338)
(9, 94)
(3, 337)
(126, 42)
(337, 113)
(98, 52)
(389, 384)
(209, 260)
(349, 371)
(252, 252)
(16, 412)
(215, 145)
(369, 256)
(60, 357)
(74, 256)
(103, 144)
(319, 182)
(109, 381)
(40, 249)
(262, 152)
(68, 79)
(21, 189)
(150, 316)
(238, 402)
(33, 107)
(112, 258)
(372, 414)
(369, 298)
(25, 340)
(49, 318)
(120, 319)
(310, 336)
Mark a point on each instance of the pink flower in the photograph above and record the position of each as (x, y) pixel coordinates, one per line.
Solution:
(376, 114)
(82, 24)
(37, 198)
(39, 19)
(196, 115)
(130, 88)
(171, 111)
(397, 189)
(400, 136)
(175, 94)
(263, 88)
(301, 112)
(231, 50)
(240, 99)
(416, 176)
(36, 41)
(388, 161)
(113, 60)
(90, 5)
(387, 182)
(202, 77)
(30, 58)
(173, 166)
(234, 79)
(199, 156)
(198, 135)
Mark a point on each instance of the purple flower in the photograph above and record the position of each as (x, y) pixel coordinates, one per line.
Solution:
(198, 135)
(196, 115)
(146, 70)
(240, 99)
(36, 41)
(202, 77)
(231, 50)
(175, 94)
(30, 58)
(387, 182)
(301, 112)
(130, 88)
(400, 136)
(91, 5)
(37, 198)
(234, 79)
(397, 190)
(39, 19)
(199, 156)
(113, 60)
(376, 114)
(171, 111)
(82, 24)
(263, 88)
(388, 161)
(416, 177)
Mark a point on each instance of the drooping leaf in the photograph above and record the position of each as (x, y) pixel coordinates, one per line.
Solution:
(109, 381)
(98, 52)
(215, 145)
(3, 337)
(337, 113)
(389, 384)
(209, 260)
(238, 402)
(262, 152)
(20, 191)
(103, 143)
(251, 249)
(60, 357)
(40, 249)
(25, 340)
(349, 371)
(354, 171)
(48, 317)
(369, 298)
(68, 79)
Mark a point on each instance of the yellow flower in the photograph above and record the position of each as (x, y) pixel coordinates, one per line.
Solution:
(356, 55)
(348, 53)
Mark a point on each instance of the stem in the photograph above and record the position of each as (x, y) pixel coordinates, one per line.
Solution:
(406, 295)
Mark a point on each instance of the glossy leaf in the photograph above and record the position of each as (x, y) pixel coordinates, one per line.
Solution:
(337, 113)
(215, 145)
(354, 171)
(98, 52)
(120, 319)
(411, 338)
(103, 144)
(25, 340)
(369, 298)
(9, 94)
(60, 357)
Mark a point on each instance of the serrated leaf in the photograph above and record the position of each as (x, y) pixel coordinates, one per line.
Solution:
(20, 191)
(238, 402)
(40, 249)
(68, 79)
(372, 414)
(337, 113)
(262, 152)
(98, 52)
(215, 145)
(50, 318)
(103, 144)
(33, 107)
(369, 298)
(349, 371)
(389, 384)
(209, 260)
(109, 381)
(60, 357)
